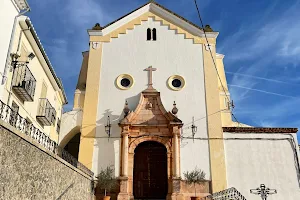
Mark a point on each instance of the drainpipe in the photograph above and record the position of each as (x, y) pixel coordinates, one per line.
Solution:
(4, 76)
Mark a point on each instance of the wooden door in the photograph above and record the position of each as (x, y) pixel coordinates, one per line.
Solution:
(150, 175)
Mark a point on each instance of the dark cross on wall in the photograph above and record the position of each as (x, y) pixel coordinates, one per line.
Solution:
(263, 191)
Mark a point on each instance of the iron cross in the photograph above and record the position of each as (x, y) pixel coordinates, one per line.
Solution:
(150, 70)
(263, 191)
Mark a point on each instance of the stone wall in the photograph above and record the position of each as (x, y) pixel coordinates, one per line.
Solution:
(29, 171)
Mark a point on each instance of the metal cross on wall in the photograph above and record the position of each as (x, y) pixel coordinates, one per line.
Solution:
(263, 191)
(150, 70)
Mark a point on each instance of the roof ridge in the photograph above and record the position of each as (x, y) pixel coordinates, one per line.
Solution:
(159, 5)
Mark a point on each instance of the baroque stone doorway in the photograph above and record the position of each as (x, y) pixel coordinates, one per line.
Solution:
(150, 171)
(149, 122)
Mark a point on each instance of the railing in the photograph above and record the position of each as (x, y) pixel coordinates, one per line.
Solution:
(228, 194)
(46, 113)
(24, 83)
(14, 119)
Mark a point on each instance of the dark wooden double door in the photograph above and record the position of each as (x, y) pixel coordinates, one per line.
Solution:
(150, 171)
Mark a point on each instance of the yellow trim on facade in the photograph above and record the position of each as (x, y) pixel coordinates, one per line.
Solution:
(88, 127)
(214, 123)
(144, 17)
(226, 113)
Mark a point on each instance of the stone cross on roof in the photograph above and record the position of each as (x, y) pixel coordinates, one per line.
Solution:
(150, 70)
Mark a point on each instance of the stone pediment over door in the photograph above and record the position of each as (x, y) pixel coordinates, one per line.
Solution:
(149, 122)
(150, 112)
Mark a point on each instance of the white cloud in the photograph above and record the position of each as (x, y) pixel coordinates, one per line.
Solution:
(82, 13)
(279, 37)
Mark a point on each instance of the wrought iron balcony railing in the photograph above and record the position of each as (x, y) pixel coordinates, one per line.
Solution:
(23, 83)
(14, 119)
(46, 113)
(228, 194)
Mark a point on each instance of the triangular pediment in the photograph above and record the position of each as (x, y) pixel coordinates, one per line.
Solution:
(150, 112)
(159, 13)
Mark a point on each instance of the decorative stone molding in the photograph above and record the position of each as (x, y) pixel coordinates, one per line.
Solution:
(158, 116)
(138, 21)
(259, 130)
(148, 122)
(135, 142)
(174, 77)
(124, 76)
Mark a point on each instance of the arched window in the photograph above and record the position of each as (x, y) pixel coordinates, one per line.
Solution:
(154, 34)
(148, 34)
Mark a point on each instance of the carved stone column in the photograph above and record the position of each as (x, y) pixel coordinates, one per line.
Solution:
(123, 195)
(176, 180)
(125, 155)
(176, 172)
(176, 156)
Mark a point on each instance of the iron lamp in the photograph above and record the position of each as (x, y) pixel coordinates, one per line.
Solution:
(108, 126)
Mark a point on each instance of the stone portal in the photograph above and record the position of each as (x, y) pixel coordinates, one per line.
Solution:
(150, 125)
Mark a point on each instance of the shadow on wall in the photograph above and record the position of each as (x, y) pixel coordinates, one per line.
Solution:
(108, 149)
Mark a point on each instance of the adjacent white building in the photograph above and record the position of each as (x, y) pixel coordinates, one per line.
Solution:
(10, 10)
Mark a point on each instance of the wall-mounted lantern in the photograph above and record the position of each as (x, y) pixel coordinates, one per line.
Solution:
(194, 128)
(108, 126)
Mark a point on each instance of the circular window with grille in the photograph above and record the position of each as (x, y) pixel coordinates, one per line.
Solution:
(176, 82)
(124, 81)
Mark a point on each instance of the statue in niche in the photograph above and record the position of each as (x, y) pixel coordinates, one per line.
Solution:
(149, 106)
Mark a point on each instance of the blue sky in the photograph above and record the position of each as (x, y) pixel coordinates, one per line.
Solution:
(260, 40)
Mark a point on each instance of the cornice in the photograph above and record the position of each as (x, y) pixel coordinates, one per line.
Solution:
(158, 13)
(99, 35)
(220, 56)
(21, 4)
(259, 130)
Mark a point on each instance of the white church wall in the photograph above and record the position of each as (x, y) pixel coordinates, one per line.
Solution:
(7, 15)
(70, 122)
(270, 159)
(171, 54)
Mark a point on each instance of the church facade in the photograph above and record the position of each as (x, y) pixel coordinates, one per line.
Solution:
(149, 103)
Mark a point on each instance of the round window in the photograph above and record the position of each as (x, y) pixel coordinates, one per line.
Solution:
(124, 81)
(176, 82)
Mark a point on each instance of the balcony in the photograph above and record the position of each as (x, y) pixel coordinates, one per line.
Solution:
(46, 113)
(23, 83)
